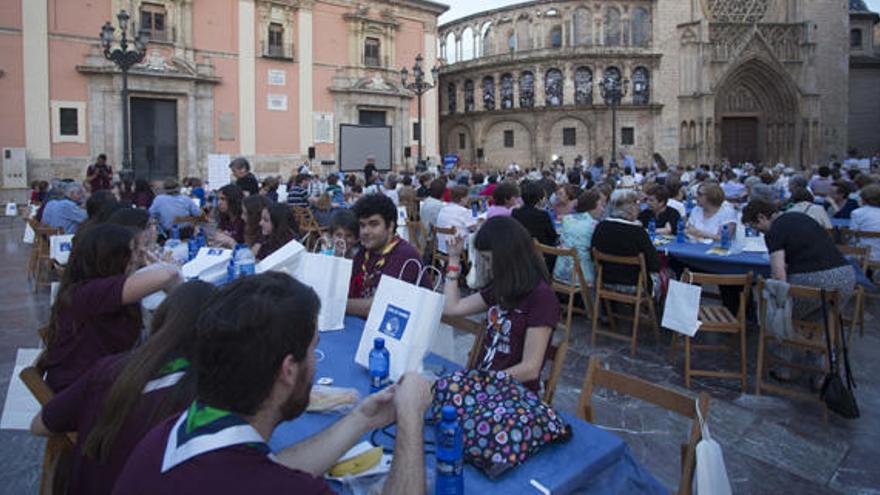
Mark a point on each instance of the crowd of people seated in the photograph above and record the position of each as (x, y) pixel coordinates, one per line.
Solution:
(240, 358)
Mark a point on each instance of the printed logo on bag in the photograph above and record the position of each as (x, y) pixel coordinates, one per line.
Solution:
(65, 247)
(394, 322)
(215, 252)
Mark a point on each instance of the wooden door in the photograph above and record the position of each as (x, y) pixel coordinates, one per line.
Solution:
(739, 139)
(154, 138)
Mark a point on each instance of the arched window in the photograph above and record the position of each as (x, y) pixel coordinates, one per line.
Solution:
(511, 42)
(612, 74)
(612, 27)
(506, 91)
(488, 93)
(583, 86)
(583, 27)
(451, 48)
(452, 96)
(526, 90)
(468, 96)
(556, 37)
(487, 39)
(683, 136)
(553, 88)
(855, 38)
(641, 27)
(467, 44)
(641, 86)
(692, 135)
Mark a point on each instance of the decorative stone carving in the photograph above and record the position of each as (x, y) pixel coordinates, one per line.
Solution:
(741, 11)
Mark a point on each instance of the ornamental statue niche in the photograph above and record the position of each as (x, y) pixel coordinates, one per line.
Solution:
(583, 86)
(527, 90)
(488, 93)
(553, 88)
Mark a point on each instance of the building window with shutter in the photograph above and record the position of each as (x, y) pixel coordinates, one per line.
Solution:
(275, 44)
(153, 20)
(371, 52)
(508, 139)
(569, 136)
(628, 136)
(68, 121)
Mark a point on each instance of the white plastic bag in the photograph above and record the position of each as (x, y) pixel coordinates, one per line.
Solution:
(59, 248)
(711, 472)
(407, 317)
(682, 308)
(329, 276)
(209, 265)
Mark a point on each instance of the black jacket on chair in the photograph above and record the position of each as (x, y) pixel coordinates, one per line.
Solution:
(540, 227)
(618, 238)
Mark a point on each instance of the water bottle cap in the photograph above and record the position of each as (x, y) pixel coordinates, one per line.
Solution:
(449, 413)
(379, 343)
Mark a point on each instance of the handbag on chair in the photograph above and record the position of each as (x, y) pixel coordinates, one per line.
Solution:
(838, 396)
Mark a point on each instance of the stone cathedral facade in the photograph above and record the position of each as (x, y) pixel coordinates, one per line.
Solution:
(747, 80)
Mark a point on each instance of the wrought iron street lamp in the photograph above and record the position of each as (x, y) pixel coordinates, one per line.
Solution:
(419, 86)
(613, 90)
(125, 54)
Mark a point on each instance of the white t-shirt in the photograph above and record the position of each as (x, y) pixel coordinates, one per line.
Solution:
(867, 219)
(725, 215)
(677, 206)
(453, 215)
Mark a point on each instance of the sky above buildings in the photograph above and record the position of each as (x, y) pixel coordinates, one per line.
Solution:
(462, 8)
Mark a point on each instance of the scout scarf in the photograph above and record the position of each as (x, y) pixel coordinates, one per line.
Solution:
(362, 284)
(168, 375)
(203, 429)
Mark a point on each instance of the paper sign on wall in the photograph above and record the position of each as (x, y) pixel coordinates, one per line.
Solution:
(323, 127)
(277, 77)
(218, 171)
(276, 102)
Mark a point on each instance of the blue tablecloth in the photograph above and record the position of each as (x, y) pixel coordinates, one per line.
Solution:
(841, 223)
(695, 255)
(593, 461)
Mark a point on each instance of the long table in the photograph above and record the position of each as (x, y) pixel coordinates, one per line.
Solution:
(696, 256)
(593, 461)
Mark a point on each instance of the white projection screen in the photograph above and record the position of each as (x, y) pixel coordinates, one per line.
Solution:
(357, 142)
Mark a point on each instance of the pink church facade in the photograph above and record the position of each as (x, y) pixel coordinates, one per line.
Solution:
(270, 80)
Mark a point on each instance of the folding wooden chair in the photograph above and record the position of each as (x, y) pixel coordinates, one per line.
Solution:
(306, 221)
(43, 258)
(718, 319)
(663, 397)
(862, 255)
(59, 448)
(871, 264)
(608, 296)
(436, 254)
(569, 289)
(808, 336)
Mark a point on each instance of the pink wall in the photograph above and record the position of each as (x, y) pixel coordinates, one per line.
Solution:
(226, 100)
(215, 25)
(66, 84)
(410, 42)
(277, 131)
(83, 18)
(11, 90)
(10, 14)
(329, 35)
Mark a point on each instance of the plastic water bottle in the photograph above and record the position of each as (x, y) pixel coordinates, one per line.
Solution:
(450, 479)
(475, 209)
(652, 229)
(680, 235)
(380, 362)
(231, 271)
(203, 241)
(247, 263)
(689, 206)
(725, 237)
(193, 246)
(175, 232)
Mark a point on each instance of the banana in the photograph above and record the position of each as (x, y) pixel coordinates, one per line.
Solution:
(357, 464)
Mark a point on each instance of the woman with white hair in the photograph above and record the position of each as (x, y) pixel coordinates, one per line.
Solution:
(621, 234)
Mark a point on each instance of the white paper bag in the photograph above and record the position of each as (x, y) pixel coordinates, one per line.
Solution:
(402, 231)
(407, 317)
(329, 276)
(11, 210)
(29, 234)
(711, 472)
(210, 265)
(59, 247)
(682, 308)
(282, 260)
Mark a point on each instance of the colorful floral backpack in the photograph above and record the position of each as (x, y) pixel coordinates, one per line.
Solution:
(503, 422)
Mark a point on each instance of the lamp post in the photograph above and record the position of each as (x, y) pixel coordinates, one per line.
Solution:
(613, 90)
(419, 86)
(125, 55)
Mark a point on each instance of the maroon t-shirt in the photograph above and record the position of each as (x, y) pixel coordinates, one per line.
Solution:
(77, 409)
(505, 335)
(365, 282)
(233, 227)
(102, 180)
(94, 325)
(235, 469)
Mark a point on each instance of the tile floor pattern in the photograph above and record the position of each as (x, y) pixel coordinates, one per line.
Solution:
(771, 445)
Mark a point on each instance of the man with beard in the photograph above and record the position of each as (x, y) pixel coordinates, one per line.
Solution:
(255, 362)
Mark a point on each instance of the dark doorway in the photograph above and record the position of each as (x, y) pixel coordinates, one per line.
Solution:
(154, 138)
(371, 117)
(739, 139)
